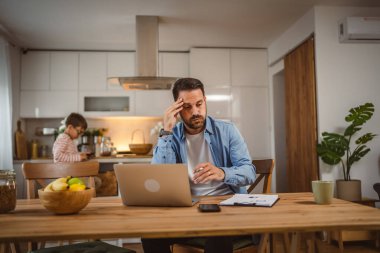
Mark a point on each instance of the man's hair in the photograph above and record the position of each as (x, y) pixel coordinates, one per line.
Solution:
(186, 84)
(75, 119)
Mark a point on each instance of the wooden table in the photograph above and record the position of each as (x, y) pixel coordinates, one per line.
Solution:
(347, 235)
(108, 218)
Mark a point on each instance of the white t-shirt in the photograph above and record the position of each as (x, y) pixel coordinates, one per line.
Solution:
(198, 151)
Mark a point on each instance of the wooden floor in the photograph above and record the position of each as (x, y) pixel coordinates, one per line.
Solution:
(323, 247)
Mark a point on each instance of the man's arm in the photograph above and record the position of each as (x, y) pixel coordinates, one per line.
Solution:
(242, 171)
(165, 152)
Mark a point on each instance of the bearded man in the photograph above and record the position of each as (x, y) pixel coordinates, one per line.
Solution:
(215, 152)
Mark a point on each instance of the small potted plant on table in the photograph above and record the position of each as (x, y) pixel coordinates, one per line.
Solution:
(336, 148)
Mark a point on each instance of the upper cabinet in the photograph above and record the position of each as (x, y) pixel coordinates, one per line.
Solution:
(35, 71)
(173, 64)
(93, 71)
(211, 66)
(120, 64)
(110, 103)
(229, 67)
(48, 104)
(49, 84)
(64, 70)
(249, 67)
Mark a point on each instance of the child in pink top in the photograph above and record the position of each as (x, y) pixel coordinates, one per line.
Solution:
(64, 149)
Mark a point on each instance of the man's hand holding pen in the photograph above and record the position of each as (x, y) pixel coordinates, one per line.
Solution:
(206, 172)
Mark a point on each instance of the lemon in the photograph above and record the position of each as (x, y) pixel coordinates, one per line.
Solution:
(77, 187)
(75, 180)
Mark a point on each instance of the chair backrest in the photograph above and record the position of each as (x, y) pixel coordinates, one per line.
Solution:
(40, 172)
(264, 170)
(376, 187)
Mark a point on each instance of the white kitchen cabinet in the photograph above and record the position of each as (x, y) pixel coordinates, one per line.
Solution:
(107, 103)
(120, 64)
(35, 71)
(93, 71)
(211, 66)
(250, 113)
(173, 64)
(218, 101)
(64, 70)
(249, 67)
(48, 104)
(153, 103)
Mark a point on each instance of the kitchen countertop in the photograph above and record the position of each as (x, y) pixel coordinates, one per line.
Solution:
(128, 158)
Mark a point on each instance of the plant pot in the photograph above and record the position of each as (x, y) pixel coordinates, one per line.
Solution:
(349, 190)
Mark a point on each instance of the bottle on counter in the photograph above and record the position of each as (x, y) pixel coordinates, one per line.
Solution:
(113, 150)
(85, 147)
(105, 146)
(44, 151)
(7, 191)
(34, 147)
(97, 146)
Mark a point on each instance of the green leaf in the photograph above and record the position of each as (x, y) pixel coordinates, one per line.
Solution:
(332, 148)
(360, 152)
(361, 114)
(365, 138)
(351, 130)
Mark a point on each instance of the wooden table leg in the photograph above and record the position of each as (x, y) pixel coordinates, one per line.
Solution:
(3, 247)
(263, 245)
(294, 242)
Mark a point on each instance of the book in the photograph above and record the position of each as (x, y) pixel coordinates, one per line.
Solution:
(265, 200)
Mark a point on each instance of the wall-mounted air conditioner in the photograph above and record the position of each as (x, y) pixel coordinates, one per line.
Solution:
(360, 29)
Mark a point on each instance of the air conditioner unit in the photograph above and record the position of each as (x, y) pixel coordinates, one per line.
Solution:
(360, 29)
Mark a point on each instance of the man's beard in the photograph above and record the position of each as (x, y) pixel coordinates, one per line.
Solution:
(195, 122)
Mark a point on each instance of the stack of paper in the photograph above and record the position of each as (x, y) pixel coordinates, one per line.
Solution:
(250, 200)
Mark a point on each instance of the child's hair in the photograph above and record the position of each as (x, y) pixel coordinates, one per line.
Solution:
(75, 119)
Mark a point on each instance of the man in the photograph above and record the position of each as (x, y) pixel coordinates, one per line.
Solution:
(216, 154)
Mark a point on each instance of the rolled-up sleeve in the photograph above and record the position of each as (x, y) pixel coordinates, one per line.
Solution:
(242, 172)
(164, 151)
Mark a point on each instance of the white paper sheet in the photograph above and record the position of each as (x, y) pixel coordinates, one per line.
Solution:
(250, 200)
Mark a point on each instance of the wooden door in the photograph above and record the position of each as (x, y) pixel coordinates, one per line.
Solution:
(301, 117)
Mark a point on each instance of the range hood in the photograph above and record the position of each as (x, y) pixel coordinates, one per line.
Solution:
(146, 59)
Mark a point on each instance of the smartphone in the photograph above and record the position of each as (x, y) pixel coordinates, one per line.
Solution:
(209, 208)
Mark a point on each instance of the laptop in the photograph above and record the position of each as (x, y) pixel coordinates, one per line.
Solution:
(154, 184)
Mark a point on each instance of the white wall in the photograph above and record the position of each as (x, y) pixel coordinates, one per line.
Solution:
(274, 72)
(347, 75)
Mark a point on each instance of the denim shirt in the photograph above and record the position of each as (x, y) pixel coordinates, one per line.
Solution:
(227, 147)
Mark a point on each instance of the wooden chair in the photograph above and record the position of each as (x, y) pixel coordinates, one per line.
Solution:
(41, 172)
(264, 169)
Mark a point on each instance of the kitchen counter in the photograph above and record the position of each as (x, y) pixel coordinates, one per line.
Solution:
(128, 158)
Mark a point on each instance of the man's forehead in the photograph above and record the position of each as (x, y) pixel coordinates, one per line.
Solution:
(191, 95)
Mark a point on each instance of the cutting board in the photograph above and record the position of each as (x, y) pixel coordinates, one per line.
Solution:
(20, 143)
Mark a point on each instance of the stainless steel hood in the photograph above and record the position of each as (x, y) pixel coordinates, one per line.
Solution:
(146, 59)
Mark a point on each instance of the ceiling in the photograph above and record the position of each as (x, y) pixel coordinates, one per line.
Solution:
(110, 24)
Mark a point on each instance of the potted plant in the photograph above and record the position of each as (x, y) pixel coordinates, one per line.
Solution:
(336, 148)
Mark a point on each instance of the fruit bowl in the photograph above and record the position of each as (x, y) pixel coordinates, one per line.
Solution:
(140, 149)
(65, 202)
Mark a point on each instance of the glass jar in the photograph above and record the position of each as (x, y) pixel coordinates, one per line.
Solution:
(7, 191)
(105, 146)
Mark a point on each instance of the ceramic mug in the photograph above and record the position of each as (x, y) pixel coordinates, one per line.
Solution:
(323, 191)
